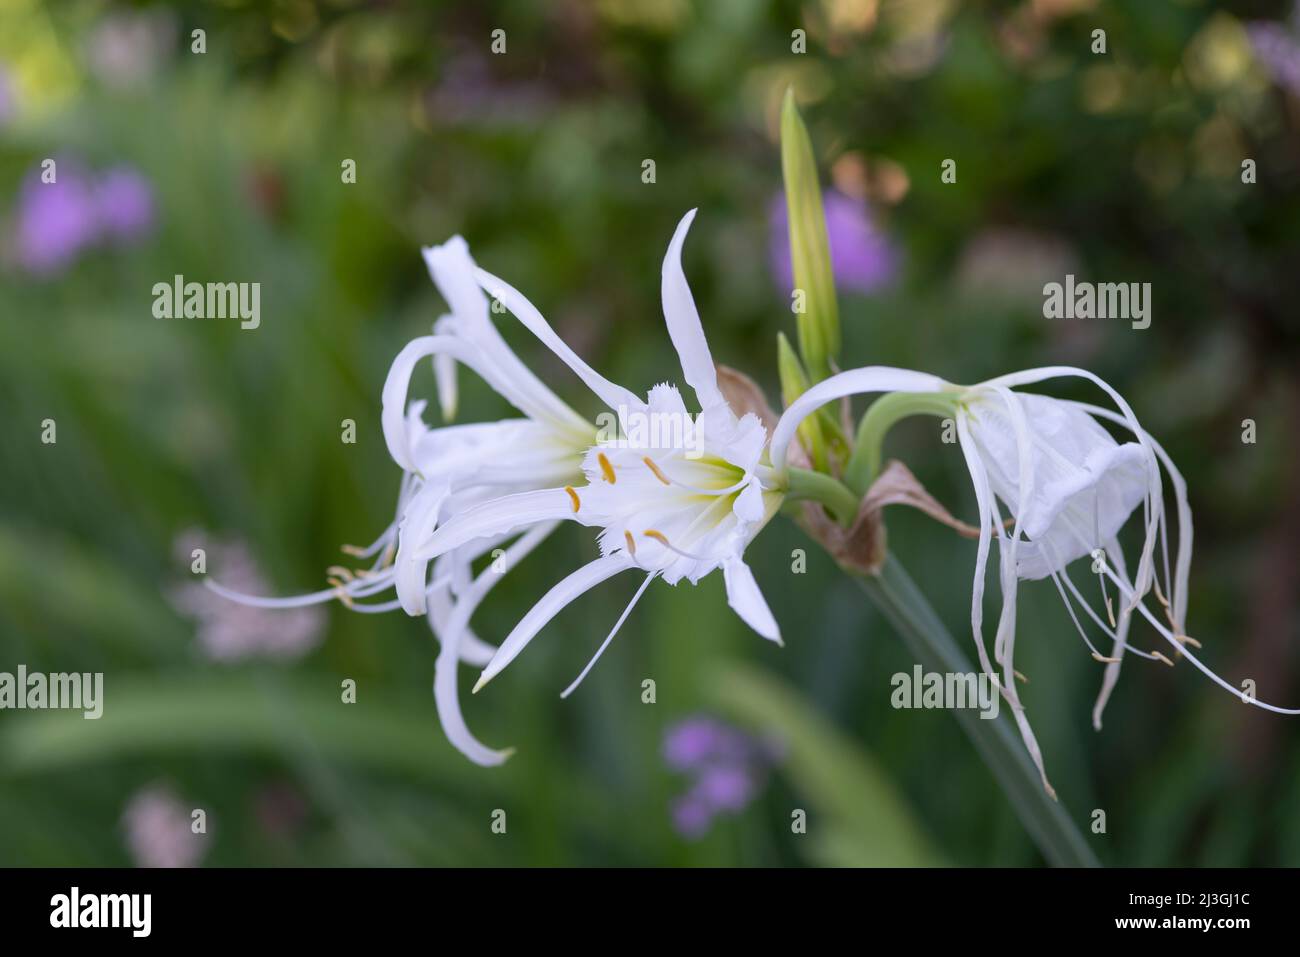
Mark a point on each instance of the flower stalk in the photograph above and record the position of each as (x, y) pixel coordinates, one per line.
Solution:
(1046, 819)
(864, 465)
(809, 486)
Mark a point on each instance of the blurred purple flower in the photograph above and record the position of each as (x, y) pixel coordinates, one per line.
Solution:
(728, 787)
(1278, 49)
(692, 817)
(862, 257)
(56, 222)
(727, 768)
(690, 744)
(232, 632)
(125, 205)
(159, 830)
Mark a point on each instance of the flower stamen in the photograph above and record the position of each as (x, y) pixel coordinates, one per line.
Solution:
(631, 543)
(657, 471)
(577, 502)
(338, 571)
(662, 539)
(606, 469)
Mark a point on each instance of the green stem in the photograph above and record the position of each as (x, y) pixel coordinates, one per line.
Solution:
(819, 487)
(1046, 820)
(864, 465)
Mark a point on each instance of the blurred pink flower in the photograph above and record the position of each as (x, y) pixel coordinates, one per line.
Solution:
(159, 830)
(233, 632)
(1277, 47)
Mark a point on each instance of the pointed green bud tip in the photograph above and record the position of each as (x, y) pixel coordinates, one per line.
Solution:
(794, 383)
(816, 311)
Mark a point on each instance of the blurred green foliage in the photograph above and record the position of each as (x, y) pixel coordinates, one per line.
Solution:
(1123, 166)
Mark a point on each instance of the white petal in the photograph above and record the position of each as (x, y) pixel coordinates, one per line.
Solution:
(394, 397)
(444, 372)
(446, 689)
(1183, 565)
(498, 516)
(749, 503)
(613, 395)
(684, 325)
(745, 598)
(610, 637)
(987, 519)
(552, 603)
(450, 622)
(452, 269)
(852, 382)
(1111, 675)
(1004, 643)
(473, 650)
(411, 571)
(454, 272)
(1155, 502)
(270, 601)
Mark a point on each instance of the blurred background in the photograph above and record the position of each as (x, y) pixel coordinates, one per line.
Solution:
(225, 165)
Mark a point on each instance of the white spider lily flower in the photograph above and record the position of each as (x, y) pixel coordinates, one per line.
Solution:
(511, 455)
(679, 504)
(449, 469)
(1069, 487)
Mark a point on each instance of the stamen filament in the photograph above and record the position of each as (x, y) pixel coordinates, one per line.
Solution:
(657, 471)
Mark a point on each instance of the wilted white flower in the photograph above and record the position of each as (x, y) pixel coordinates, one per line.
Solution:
(1068, 487)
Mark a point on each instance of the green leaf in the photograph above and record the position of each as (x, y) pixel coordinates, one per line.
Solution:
(818, 325)
(238, 713)
(859, 818)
